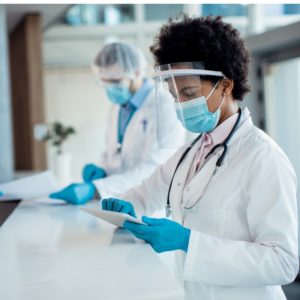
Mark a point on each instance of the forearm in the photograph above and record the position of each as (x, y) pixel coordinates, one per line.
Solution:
(220, 261)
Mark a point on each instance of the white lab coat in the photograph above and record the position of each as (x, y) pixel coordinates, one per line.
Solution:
(141, 153)
(243, 243)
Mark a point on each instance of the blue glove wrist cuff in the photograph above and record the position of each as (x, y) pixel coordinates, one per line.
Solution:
(186, 239)
(104, 173)
(92, 190)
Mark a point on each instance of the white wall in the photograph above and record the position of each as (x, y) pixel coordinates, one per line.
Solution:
(6, 149)
(74, 97)
(283, 110)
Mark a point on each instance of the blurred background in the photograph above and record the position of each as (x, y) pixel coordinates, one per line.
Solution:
(46, 52)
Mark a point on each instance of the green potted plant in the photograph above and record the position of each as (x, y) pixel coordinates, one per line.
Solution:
(57, 134)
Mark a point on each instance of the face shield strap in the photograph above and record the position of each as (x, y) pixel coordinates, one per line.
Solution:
(174, 84)
(183, 72)
(131, 85)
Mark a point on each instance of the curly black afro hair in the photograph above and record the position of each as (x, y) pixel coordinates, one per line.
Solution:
(208, 40)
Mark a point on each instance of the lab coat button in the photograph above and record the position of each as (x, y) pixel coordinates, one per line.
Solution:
(179, 183)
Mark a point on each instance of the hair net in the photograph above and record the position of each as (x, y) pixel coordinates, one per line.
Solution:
(118, 60)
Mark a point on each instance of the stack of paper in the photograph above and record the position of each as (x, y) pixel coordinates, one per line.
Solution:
(29, 187)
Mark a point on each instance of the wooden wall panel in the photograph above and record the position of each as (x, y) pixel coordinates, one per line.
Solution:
(27, 92)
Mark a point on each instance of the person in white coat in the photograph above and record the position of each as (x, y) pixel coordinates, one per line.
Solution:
(132, 150)
(232, 192)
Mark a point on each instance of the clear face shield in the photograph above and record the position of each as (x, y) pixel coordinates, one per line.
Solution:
(181, 93)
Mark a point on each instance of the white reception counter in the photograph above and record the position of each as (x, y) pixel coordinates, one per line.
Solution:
(51, 250)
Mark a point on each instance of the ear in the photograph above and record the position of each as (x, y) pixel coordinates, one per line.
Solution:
(227, 86)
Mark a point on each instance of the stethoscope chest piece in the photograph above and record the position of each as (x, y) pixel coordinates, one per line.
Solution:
(168, 210)
(119, 148)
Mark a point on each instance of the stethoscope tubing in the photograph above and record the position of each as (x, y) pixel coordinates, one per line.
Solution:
(218, 163)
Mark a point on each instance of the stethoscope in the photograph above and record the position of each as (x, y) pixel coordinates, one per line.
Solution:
(218, 163)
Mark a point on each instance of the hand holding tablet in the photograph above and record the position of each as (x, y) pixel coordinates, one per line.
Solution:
(112, 217)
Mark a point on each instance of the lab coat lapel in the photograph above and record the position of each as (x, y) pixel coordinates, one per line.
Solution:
(196, 188)
(178, 191)
(137, 121)
(114, 155)
(178, 184)
(115, 126)
(131, 130)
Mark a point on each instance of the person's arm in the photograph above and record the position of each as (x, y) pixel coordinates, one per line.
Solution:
(154, 156)
(272, 257)
(151, 195)
(119, 183)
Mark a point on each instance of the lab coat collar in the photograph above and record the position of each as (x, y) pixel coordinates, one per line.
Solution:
(196, 184)
(219, 134)
(245, 125)
(140, 95)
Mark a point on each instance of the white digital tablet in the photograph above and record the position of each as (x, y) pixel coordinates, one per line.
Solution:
(112, 217)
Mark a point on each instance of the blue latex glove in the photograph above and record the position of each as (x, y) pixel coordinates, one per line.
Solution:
(1, 193)
(76, 193)
(91, 172)
(162, 234)
(119, 206)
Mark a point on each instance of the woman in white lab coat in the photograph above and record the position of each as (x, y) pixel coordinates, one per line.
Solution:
(232, 192)
(132, 151)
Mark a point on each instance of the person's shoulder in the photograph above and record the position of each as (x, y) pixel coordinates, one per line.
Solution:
(261, 146)
(150, 99)
(260, 139)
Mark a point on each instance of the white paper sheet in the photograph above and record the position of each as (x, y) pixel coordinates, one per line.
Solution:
(112, 217)
(29, 187)
(9, 198)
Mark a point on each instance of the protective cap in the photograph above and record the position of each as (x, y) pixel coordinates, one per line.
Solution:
(119, 60)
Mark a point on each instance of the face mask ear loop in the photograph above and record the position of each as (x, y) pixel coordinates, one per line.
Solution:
(131, 86)
(223, 95)
(223, 98)
(212, 90)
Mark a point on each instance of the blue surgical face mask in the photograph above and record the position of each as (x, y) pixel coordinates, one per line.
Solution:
(118, 93)
(195, 116)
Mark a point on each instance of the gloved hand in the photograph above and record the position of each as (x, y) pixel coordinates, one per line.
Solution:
(1, 193)
(91, 172)
(119, 206)
(162, 234)
(76, 193)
